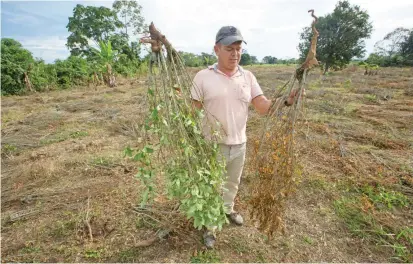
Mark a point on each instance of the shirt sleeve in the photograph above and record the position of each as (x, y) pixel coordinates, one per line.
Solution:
(197, 89)
(255, 87)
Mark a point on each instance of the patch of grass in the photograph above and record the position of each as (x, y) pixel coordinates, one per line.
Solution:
(209, 256)
(146, 223)
(62, 136)
(56, 138)
(318, 183)
(363, 223)
(351, 108)
(63, 228)
(329, 107)
(349, 209)
(11, 115)
(402, 253)
(129, 255)
(79, 134)
(315, 85)
(372, 98)
(8, 149)
(93, 254)
(260, 258)
(383, 198)
(347, 84)
(308, 240)
(240, 247)
(29, 248)
(102, 161)
(409, 91)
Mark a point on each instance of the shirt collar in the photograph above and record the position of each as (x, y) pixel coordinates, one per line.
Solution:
(215, 68)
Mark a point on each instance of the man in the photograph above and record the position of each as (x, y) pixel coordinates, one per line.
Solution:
(225, 91)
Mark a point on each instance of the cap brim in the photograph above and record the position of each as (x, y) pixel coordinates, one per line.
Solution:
(231, 39)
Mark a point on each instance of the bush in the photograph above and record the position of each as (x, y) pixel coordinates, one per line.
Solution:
(15, 61)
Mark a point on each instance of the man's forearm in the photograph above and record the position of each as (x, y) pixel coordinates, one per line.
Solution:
(263, 105)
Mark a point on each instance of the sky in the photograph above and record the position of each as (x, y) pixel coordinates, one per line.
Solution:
(270, 27)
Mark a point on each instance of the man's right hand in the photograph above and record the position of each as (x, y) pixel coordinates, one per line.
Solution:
(197, 104)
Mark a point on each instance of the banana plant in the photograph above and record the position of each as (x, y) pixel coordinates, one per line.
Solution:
(106, 56)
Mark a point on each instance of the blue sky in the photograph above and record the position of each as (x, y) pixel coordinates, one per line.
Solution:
(40, 25)
(271, 27)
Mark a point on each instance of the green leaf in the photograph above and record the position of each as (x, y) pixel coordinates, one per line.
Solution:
(199, 206)
(154, 114)
(139, 156)
(195, 191)
(128, 152)
(148, 149)
(145, 198)
(192, 210)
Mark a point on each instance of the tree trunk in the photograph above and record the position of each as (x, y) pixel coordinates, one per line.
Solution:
(326, 67)
(27, 82)
(96, 80)
(111, 81)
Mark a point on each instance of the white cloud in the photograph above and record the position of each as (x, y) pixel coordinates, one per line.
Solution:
(51, 43)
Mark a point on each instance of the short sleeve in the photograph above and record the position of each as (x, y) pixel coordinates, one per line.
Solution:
(255, 87)
(197, 89)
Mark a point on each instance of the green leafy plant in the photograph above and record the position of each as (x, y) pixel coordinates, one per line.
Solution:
(190, 165)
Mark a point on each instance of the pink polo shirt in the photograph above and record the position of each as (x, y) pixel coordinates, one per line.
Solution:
(226, 101)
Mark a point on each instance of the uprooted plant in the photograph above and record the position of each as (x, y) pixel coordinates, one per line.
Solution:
(177, 153)
(274, 155)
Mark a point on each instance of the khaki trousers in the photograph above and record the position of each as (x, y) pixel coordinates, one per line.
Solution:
(235, 157)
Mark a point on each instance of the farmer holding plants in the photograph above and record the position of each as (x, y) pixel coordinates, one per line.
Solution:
(225, 90)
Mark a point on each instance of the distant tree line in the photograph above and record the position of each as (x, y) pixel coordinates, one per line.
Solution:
(100, 48)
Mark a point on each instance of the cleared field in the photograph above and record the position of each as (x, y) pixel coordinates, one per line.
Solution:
(63, 172)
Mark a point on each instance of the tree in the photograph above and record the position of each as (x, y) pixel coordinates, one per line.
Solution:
(254, 60)
(395, 49)
(106, 57)
(208, 59)
(270, 60)
(191, 60)
(375, 58)
(342, 35)
(407, 48)
(16, 62)
(130, 13)
(90, 23)
(392, 43)
(245, 59)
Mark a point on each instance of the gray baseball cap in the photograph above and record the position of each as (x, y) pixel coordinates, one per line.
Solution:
(228, 35)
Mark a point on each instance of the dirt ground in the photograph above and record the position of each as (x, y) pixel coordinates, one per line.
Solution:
(68, 193)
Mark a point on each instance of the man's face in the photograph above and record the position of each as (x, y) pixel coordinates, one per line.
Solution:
(229, 56)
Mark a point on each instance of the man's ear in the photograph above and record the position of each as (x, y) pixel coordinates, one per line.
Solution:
(216, 49)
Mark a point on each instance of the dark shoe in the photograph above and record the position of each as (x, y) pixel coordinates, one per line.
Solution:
(209, 239)
(235, 218)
